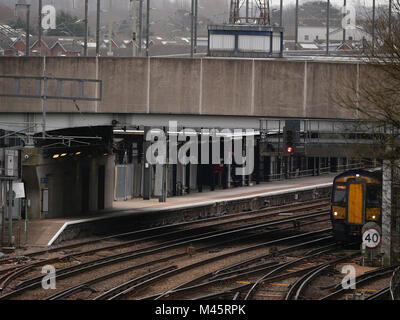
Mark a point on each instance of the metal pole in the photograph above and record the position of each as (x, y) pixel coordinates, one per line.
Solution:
(390, 17)
(85, 46)
(44, 98)
(28, 13)
(40, 28)
(296, 27)
(9, 214)
(110, 28)
(3, 216)
(327, 26)
(140, 27)
(281, 13)
(148, 28)
(247, 11)
(344, 14)
(164, 188)
(192, 30)
(147, 168)
(196, 8)
(373, 24)
(98, 29)
(134, 28)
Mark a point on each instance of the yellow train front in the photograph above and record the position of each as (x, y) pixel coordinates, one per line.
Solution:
(356, 200)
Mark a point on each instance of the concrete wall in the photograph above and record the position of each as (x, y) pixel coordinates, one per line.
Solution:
(206, 86)
(65, 186)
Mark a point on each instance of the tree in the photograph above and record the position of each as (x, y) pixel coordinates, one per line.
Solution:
(376, 96)
(20, 23)
(68, 25)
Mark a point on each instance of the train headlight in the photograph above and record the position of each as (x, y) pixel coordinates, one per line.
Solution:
(339, 212)
(372, 214)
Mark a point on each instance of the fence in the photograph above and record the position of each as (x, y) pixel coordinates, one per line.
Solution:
(123, 189)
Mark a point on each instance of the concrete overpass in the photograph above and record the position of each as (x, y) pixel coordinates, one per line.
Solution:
(139, 91)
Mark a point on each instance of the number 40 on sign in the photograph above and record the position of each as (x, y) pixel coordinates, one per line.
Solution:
(371, 238)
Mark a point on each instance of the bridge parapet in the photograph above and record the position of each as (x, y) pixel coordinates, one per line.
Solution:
(203, 86)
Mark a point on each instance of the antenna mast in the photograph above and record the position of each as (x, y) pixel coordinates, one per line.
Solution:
(260, 16)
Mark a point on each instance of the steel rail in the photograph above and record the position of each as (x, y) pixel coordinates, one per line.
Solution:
(376, 275)
(227, 270)
(134, 283)
(156, 248)
(364, 275)
(302, 206)
(299, 286)
(281, 267)
(70, 271)
(203, 262)
(12, 270)
(242, 287)
(380, 294)
(216, 273)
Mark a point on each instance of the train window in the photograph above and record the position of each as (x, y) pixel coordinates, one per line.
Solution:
(339, 194)
(373, 195)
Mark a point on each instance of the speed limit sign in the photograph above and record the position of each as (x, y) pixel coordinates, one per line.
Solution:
(371, 238)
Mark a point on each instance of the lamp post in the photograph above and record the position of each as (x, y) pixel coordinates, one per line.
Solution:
(327, 26)
(296, 27)
(40, 28)
(98, 29)
(140, 26)
(148, 28)
(85, 47)
(134, 36)
(21, 3)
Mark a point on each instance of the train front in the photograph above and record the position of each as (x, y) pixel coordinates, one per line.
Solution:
(356, 200)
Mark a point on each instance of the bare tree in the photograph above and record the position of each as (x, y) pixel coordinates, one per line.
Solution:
(374, 94)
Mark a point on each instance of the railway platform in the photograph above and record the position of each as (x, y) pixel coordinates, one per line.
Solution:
(47, 232)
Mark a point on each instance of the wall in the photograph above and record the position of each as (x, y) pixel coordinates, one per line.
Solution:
(65, 186)
(207, 86)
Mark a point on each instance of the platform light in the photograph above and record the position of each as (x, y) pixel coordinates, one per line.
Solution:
(63, 154)
(55, 156)
(78, 153)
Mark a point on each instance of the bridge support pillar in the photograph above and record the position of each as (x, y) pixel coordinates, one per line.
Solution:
(390, 213)
(147, 168)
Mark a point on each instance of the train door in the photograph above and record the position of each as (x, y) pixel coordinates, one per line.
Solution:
(355, 203)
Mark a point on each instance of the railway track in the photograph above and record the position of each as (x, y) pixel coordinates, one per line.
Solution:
(250, 232)
(7, 278)
(238, 256)
(226, 219)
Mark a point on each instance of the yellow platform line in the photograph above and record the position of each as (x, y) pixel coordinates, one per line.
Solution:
(280, 284)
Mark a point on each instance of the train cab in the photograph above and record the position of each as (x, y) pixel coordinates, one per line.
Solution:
(356, 200)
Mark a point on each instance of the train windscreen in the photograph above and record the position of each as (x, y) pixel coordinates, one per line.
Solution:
(339, 195)
(373, 195)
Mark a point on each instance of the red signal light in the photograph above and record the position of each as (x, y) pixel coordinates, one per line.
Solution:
(289, 149)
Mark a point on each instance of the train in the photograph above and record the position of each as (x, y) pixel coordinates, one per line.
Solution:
(356, 199)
